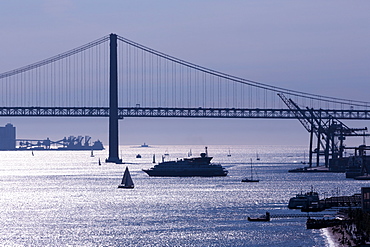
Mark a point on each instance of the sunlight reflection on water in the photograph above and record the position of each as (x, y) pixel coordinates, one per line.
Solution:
(60, 198)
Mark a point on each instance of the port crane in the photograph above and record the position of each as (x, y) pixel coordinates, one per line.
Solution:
(71, 142)
(330, 134)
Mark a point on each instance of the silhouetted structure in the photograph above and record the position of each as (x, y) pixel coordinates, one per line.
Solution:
(7, 137)
(330, 135)
(365, 199)
(154, 84)
(113, 103)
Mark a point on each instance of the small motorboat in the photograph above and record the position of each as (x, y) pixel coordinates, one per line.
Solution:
(248, 180)
(265, 217)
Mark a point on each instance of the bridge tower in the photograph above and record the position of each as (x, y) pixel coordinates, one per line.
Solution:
(113, 102)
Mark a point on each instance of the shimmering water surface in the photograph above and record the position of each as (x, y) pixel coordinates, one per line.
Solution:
(64, 198)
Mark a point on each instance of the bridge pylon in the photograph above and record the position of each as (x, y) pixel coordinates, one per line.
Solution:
(113, 102)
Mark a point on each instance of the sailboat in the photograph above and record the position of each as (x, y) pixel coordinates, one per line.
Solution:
(258, 158)
(250, 179)
(304, 158)
(99, 162)
(229, 154)
(127, 182)
(92, 153)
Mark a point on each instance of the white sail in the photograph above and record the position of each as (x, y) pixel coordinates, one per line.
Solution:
(126, 180)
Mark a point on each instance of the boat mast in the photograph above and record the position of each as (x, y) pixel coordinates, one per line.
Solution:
(251, 170)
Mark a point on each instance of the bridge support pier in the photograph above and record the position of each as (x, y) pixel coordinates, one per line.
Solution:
(113, 103)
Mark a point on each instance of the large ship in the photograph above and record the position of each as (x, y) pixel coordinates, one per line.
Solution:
(188, 167)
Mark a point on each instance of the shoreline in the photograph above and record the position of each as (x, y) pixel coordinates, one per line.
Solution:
(329, 238)
(337, 236)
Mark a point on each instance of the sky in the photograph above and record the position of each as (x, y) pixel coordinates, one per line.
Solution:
(319, 47)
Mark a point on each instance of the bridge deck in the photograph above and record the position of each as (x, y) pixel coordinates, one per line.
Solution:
(178, 112)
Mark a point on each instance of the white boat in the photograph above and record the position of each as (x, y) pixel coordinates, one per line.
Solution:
(249, 180)
(127, 182)
(229, 154)
(187, 167)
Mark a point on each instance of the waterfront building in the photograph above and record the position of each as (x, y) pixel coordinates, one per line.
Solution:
(7, 137)
(365, 199)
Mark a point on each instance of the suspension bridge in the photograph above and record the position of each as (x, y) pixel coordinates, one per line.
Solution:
(115, 77)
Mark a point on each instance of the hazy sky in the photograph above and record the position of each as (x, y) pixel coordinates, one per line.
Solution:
(320, 47)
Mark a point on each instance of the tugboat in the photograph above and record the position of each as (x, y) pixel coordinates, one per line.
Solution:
(188, 167)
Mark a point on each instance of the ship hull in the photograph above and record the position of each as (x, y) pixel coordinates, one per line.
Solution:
(185, 173)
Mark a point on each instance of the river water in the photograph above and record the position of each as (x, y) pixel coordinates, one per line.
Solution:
(64, 198)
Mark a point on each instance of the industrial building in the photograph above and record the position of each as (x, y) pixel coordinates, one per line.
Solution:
(8, 141)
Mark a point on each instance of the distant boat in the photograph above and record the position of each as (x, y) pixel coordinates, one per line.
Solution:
(127, 182)
(99, 162)
(32, 154)
(92, 153)
(190, 153)
(250, 179)
(265, 217)
(144, 145)
(258, 158)
(138, 156)
(153, 158)
(304, 158)
(229, 154)
(166, 153)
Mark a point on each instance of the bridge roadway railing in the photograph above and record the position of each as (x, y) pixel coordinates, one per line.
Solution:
(178, 112)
